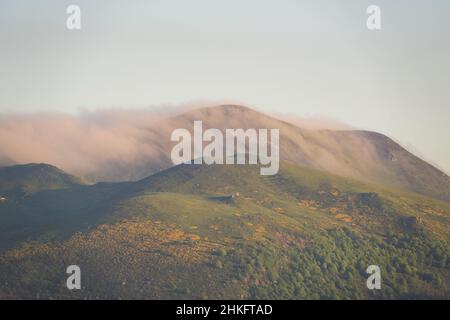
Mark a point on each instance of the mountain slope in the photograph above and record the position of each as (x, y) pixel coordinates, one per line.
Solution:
(197, 231)
(357, 154)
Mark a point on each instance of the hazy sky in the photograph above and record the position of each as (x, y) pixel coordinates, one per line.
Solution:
(311, 57)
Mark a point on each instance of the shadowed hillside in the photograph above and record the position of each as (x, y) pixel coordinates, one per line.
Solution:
(23, 180)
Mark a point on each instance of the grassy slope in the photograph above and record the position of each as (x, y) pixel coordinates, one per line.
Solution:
(180, 234)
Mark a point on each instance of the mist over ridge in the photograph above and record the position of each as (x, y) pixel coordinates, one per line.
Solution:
(123, 145)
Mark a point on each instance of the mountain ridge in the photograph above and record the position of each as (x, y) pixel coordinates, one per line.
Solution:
(358, 154)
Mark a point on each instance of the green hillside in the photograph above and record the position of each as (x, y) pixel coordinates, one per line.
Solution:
(225, 231)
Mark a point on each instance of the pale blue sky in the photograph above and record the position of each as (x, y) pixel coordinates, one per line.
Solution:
(311, 57)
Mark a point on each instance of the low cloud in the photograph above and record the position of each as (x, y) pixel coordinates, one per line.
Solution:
(98, 144)
(79, 144)
(313, 122)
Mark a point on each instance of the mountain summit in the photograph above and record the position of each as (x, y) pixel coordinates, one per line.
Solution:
(23, 180)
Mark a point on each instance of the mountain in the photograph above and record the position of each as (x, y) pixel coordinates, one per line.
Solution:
(23, 180)
(224, 231)
(341, 201)
(129, 146)
(357, 154)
